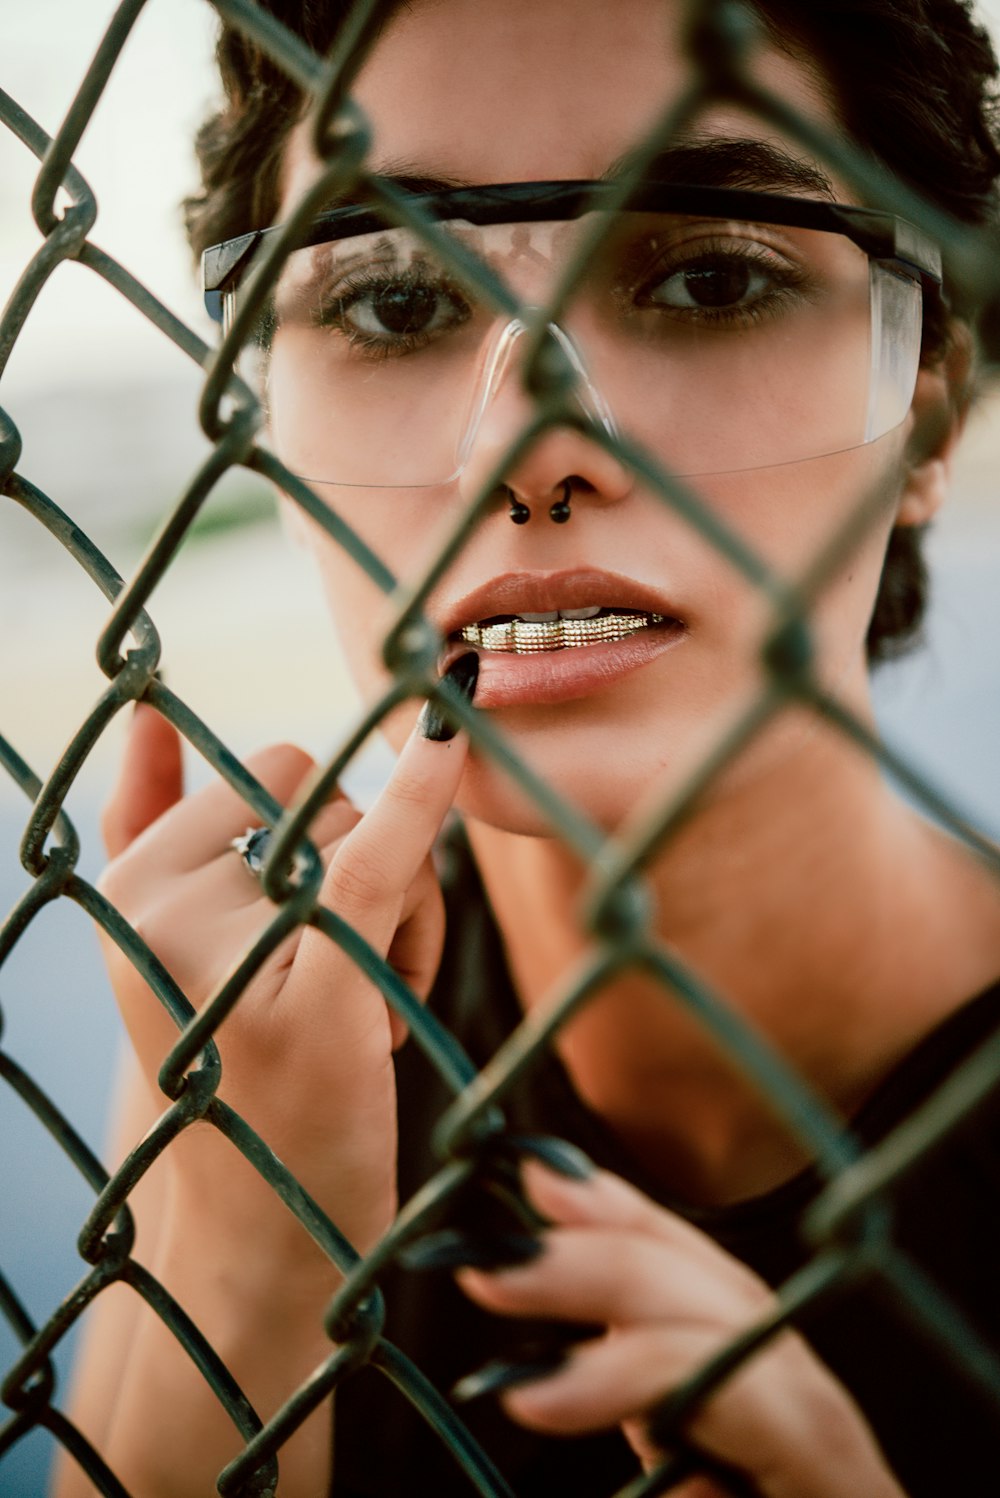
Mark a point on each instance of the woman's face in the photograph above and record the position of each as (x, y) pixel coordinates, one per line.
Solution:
(539, 90)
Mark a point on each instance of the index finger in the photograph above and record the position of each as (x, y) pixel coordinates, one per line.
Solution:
(618, 1279)
(378, 861)
(150, 779)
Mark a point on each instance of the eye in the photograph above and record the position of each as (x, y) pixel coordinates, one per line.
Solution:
(726, 283)
(395, 314)
(714, 282)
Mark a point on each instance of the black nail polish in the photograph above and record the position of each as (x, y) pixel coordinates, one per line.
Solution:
(451, 1249)
(558, 1154)
(463, 674)
(501, 1374)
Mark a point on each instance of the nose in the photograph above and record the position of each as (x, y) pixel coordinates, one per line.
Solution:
(562, 463)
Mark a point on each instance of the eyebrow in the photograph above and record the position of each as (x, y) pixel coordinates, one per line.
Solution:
(729, 161)
(695, 160)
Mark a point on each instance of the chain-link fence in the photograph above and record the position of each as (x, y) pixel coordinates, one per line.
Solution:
(846, 1226)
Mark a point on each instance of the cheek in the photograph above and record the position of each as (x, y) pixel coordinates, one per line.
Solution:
(357, 608)
(397, 527)
(790, 515)
(841, 507)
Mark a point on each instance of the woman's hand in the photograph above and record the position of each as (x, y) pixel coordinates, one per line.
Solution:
(306, 1052)
(670, 1298)
(306, 1060)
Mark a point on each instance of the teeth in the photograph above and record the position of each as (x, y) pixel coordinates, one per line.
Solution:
(554, 614)
(529, 635)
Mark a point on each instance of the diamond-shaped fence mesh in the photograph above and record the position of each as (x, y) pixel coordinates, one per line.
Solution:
(847, 1227)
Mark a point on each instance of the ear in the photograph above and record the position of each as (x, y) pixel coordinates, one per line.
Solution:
(940, 406)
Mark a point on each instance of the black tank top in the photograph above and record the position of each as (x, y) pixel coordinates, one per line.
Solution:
(939, 1430)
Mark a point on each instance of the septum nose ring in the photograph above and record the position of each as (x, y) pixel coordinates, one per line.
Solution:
(586, 395)
(559, 510)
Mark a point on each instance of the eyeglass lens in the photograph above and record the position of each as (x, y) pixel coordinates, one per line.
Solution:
(718, 345)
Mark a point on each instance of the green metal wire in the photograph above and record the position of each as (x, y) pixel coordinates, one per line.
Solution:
(846, 1225)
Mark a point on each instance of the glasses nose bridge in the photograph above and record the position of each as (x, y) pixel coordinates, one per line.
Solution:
(499, 368)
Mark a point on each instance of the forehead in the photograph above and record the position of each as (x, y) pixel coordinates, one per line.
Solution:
(528, 90)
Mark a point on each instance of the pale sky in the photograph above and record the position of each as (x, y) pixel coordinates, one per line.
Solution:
(137, 156)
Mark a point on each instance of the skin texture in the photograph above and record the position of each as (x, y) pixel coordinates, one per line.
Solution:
(624, 82)
(877, 917)
(621, 751)
(670, 1300)
(308, 1016)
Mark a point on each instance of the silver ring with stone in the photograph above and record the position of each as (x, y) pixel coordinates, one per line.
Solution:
(252, 847)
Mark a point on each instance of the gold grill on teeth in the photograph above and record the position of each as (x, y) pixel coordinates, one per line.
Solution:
(520, 637)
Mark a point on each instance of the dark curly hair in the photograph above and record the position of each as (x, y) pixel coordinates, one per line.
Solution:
(914, 81)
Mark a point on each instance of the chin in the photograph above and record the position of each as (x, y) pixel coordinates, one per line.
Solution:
(606, 798)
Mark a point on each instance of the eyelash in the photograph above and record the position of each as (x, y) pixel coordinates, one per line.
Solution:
(365, 283)
(785, 276)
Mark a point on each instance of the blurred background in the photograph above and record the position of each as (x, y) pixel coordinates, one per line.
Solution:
(106, 409)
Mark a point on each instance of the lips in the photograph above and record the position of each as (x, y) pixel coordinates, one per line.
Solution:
(520, 635)
(556, 636)
(582, 590)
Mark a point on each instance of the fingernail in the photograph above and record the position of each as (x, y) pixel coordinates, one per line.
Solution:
(503, 1374)
(451, 1249)
(558, 1154)
(463, 673)
(158, 675)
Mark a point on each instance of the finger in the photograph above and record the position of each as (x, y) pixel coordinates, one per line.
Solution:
(377, 863)
(368, 885)
(415, 951)
(329, 826)
(415, 948)
(212, 916)
(201, 827)
(609, 1380)
(219, 911)
(223, 912)
(767, 1419)
(368, 880)
(607, 1200)
(150, 780)
(605, 1275)
(205, 823)
(201, 917)
(203, 934)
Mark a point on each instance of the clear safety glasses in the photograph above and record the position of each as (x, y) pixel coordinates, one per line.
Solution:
(724, 330)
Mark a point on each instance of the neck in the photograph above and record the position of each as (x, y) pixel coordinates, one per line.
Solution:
(833, 933)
